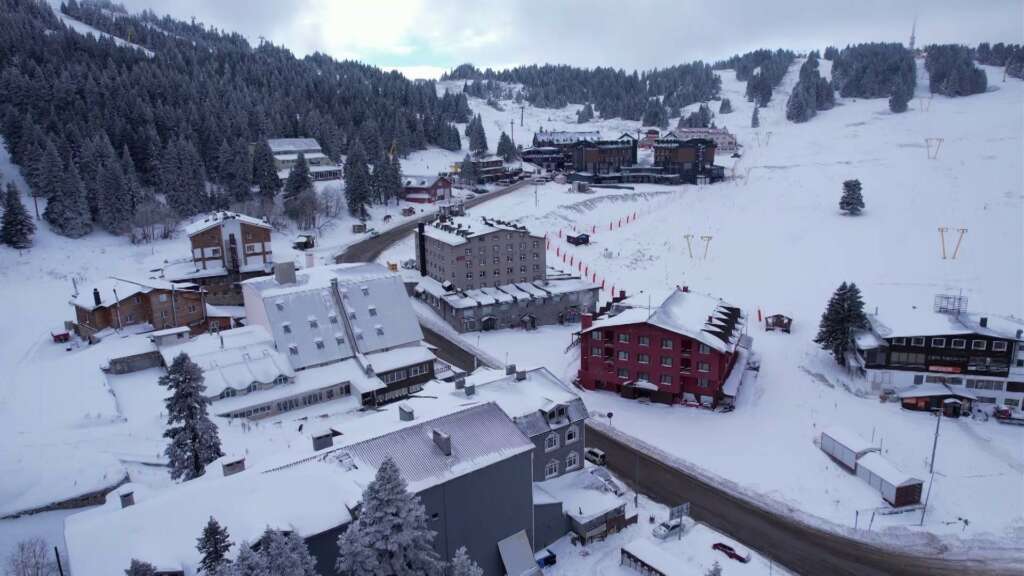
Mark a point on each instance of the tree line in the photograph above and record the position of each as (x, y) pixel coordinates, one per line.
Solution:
(874, 70)
(113, 136)
(811, 94)
(951, 71)
(762, 70)
(999, 54)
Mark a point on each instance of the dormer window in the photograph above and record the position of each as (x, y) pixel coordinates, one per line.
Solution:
(279, 304)
(365, 290)
(380, 330)
(319, 343)
(313, 323)
(333, 318)
(373, 310)
(293, 349)
(286, 328)
(339, 339)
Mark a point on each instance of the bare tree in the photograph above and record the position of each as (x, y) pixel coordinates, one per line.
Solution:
(31, 558)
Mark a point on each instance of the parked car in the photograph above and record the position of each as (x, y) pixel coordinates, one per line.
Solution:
(731, 552)
(672, 527)
(594, 456)
(545, 558)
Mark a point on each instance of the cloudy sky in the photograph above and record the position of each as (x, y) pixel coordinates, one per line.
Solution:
(422, 38)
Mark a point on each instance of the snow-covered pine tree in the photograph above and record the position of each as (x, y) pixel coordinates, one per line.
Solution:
(725, 107)
(477, 136)
(390, 537)
(585, 114)
(132, 186)
(715, 570)
(852, 201)
(287, 555)
(843, 315)
(47, 182)
(506, 149)
(299, 179)
(357, 180)
(213, 545)
(754, 120)
(394, 185)
(140, 568)
(264, 172)
(463, 565)
(467, 170)
(68, 210)
(250, 563)
(115, 204)
(17, 228)
(901, 95)
(194, 439)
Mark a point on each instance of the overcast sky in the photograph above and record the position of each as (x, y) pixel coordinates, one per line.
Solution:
(423, 38)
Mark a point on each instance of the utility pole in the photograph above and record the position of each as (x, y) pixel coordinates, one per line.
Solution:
(931, 467)
(512, 129)
(522, 114)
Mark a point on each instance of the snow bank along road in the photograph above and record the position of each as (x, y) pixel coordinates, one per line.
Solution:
(369, 249)
(796, 545)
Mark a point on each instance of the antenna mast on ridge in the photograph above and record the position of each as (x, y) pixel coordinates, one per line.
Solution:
(913, 30)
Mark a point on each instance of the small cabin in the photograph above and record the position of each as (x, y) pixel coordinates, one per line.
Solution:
(778, 322)
(578, 240)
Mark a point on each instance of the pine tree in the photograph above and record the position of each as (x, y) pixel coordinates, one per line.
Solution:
(754, 120)
(585, 114)
(17, 228)
(67, 211)
(140, 568)
(395, 179)
(390, 537)
(250, 563)
(725, 107)
(213, 545)
(467, 170)
(852, 202)
(194, 440)
(299, 179)
(477, 136)
(115, 205)
(715, 570)
(357, 180)
(506, 149)
(901, 95)
(463, 565)
(844, 315)
(47, 182)
(287, 554)
(265, 172)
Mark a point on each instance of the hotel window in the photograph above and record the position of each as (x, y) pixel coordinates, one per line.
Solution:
(959, 343)
(192, 309)
(293, 349)
(938, 342)
(365, 290)
(703, 367)
(286, 328)
(249, 248)
(623, 355)
(313, 323)
(215, 252)
(645, 340)
(469, 275)
(572, 460)
(999, 346)
(666, 361)
(522, 269)
(572, 434)
(704, 349)
(551, 442)
(703, 383)
(339, 339)
(917, 341)
(643, 358)
(624, 338)
(483, 274)
(595, 350)
(319, 344)
(666, 343)
(623, 373)
(469, 251)
(899, 341)
(666, 379)
(646, 377)
(373, 310)
(978, 345)
(551, 470)
(508, 270)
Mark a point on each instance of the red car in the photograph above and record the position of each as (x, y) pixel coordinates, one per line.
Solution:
(731, 552)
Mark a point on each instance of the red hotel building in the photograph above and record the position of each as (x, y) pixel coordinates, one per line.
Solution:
(681, 351)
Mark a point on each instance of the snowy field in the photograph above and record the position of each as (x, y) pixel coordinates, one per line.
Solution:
(779, 244)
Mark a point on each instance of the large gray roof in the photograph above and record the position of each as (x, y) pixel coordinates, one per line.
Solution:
(292, 145)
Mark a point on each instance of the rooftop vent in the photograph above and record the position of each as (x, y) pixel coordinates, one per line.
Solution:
(323, 440)
(470, 390)
(233, 466)
(284, 272)
(520, 375)
(984, 321)
(405, 413)
(510, 369)
(460, 383)
(127, 499)
(443, 441)
(96, 296)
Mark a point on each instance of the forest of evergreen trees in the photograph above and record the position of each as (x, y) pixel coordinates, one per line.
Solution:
(612, 93)
(811, 94)
(999, 54)
(104, 132)
(951, 71)
(874, 70)
(762, 70)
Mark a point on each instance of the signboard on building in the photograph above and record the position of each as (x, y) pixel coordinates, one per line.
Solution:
(679, 511)
(946, 369)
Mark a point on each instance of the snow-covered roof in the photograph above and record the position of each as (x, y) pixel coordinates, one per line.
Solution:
(583, 496)
(704, 318)
(217, 218)
(308, 380)
(162, 527)
(225, 311)
(880, 466)
(457, 230)
(849, 439)
(504, 293)
(306, 315)
(292, 145)
(910, 321)
(233, 358)
(125, 288)
(419, 181)
(731, 386)
(398, 358)
(306, 155)
(652, 555)
(565, 137)
(935, 389)
(866, 340)
(523, 400)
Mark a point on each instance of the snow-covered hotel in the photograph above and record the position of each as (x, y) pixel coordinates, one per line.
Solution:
(681, 347)
(286, 153)
(945, 350)
(486, 274)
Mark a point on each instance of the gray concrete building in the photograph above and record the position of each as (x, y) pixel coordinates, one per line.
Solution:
(485, 274)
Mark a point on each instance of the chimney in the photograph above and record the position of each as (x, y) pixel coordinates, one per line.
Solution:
(1020, 333)
(510, 369)
(443, 441)
(310, 260)
(460, 382)
(284, 272)
(984, 321)
(622, 294)
(520, 375)
(470, 390)
(323, 440)
(127, 499)
(405, 413)
(587, 320)
(234, 466)
(96, 296)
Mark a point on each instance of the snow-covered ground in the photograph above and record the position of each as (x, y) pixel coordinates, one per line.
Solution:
(778, 244)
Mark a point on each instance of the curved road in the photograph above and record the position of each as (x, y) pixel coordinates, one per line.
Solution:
(797, 546)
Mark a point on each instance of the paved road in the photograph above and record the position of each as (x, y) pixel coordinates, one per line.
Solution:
(796, 546)
(369, 249)
(449, 351)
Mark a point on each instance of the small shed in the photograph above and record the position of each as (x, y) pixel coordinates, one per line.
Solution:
(897, 487)
(578, 240)
(647, 558)
(951, 407)
(844, 446)
(778, 322)
(931, 395)
(359, 228)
